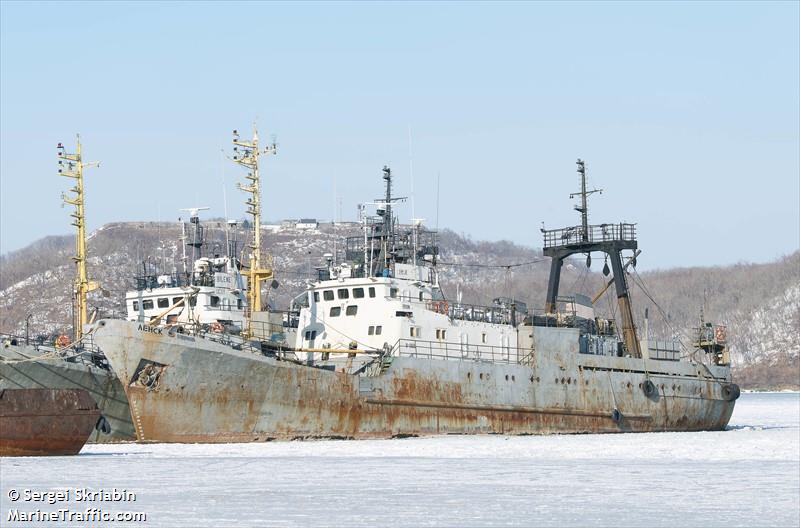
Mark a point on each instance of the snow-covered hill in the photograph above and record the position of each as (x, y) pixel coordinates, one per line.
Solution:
(760, 303)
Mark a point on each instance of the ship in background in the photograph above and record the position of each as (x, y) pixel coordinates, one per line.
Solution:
(210, 293)
(381, 352)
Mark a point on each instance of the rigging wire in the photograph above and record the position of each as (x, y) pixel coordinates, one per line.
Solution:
(492, 266)
(581, 275)
(637, 279)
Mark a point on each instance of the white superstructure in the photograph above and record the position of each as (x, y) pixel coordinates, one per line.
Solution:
(389, 291)
(212, 292)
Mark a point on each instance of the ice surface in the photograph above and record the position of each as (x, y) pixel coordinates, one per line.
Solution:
(748, 475)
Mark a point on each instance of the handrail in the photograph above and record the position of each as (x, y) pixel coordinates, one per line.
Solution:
(595, 233)
(446, 350)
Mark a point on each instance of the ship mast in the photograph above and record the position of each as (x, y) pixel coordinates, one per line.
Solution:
(388, 230)
(583, 208)
(71, 166)
(246, 154)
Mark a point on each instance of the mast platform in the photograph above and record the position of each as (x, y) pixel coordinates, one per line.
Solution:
(600, 237)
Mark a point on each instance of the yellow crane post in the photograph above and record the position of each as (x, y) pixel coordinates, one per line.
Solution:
(246, 154)
(71, 166)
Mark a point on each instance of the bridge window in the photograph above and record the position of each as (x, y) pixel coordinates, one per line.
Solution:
(371, 330)
(163, 302)
(335, 311)
(371, 292)
(441, 334)
(316, 296)
(176, 300)
(415, 331)
(421, 296)
(147, 304)
(239, 303)
(327, 295)
(136, 305)
(193, 300)
(483, 337)
(393, 293)
(214, 301)
(378, 330)
(342, 293)
(351, 310)
(358, 293)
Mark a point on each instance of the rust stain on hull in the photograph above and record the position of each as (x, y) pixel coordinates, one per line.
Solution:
(102, 385)
(37, 422)
(303, 402)
(205, 392)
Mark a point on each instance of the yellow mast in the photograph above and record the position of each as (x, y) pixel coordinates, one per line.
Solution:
(71, 166)
(246, 154)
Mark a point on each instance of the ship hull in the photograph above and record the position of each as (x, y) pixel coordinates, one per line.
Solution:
(45, 422)
(19, 369)
(201, 391)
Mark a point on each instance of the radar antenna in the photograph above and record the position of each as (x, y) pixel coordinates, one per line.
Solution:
(194, 212)
(71, 166)
(246, 154)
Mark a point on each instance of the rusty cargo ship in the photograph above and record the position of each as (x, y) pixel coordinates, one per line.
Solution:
(380, 352)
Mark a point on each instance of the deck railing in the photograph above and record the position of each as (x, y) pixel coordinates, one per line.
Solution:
(445, 350)
(594, 233)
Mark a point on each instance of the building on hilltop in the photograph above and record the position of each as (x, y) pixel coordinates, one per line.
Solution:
(307, 223)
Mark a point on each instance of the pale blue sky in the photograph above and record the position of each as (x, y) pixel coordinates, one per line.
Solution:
(687, 114)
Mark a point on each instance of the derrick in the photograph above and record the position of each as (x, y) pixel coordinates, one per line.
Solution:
(611, 239)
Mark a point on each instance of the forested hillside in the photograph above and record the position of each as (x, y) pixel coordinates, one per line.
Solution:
(760, 303)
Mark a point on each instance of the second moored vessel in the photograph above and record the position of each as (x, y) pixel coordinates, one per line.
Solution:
(381, 352)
